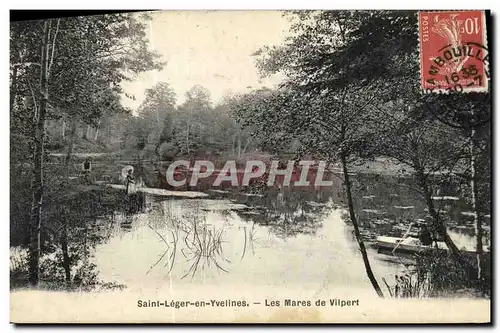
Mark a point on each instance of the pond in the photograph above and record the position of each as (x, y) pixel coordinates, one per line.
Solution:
(210, 242)
(263, 238)
(275, 239)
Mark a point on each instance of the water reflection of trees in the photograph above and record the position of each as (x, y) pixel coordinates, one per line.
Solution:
(74, 224)
(189, 236)
(286, 212)
(387, 204)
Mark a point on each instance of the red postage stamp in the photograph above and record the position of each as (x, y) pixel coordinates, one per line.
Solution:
(453, 51)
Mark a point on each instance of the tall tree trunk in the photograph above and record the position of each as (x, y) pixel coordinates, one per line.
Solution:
(63, 130)
(232, 146)
(13, 88)
(72, 135)
(478, 218)
(37, 177)
(88, 134)
(65, 252)
(97, 130)
(354, 221)
(187, 140)
(438, 225)
(239, 147)
(246, 145)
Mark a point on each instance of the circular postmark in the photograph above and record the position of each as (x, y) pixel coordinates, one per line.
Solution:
(458, 69)
(454, 66)
(457, 85)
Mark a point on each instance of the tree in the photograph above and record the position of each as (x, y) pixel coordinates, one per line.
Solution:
(37, 179)
(344, 70)
(193, 115)
(98, 53)
(82, 62)
(469, 115)
(155, 113)
(159, 100)
(327, 60)
(225, 126)
(429, 149)
(366, 51)
(262, 113)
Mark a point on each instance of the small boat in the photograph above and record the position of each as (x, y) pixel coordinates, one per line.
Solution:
(446, 198)
(413, 245)
(409, 244)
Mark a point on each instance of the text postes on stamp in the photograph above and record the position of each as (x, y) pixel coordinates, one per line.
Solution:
(453, 51)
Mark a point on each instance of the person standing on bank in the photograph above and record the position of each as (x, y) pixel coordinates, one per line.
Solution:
(86, 169)
(425, 235)
(130, 185)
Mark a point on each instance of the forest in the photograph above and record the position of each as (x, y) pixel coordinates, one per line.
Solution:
(351, 96)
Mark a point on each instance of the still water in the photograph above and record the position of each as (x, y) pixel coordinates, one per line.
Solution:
(209, 242)
(278, 238)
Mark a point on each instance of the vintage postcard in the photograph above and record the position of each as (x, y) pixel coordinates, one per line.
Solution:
(251, 167)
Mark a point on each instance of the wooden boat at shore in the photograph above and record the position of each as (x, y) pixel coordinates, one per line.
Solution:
(412, 245)
(409, 244)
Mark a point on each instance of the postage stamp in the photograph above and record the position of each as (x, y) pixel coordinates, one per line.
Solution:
(453, 51)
